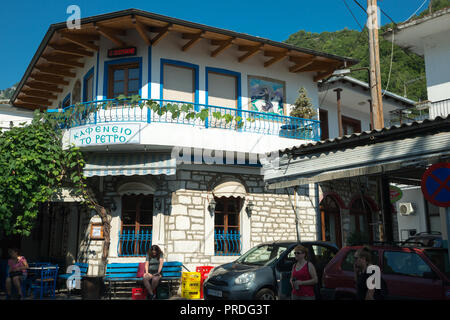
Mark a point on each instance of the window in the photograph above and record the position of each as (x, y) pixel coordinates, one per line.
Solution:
(66, 101)
(76, 93)
(88, 94)
(262, 255)
(404, 263)
(323, 117)
(123, 79)
(348, 262)
(226, 226)
(222, 89)
(350, 126)
(178, 83)
(323, 255)
(330, 221)
(360, 219)
(137, 222)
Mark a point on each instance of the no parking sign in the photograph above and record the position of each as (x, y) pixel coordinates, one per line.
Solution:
(436, 184)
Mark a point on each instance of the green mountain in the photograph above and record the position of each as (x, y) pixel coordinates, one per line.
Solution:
(406, 66)
(8, 93)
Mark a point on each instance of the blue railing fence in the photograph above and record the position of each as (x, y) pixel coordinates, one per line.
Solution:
(227, 242)
(134, 244)
(113, 110)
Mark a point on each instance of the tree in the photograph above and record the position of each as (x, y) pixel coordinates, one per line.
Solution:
(33, 167)
(303, 107)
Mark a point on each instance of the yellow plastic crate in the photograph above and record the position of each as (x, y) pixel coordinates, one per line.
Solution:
(188, 294)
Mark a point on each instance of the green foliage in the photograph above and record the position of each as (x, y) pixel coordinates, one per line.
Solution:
(33, 166)
(435, 6)
(303, 107)
(351, 43)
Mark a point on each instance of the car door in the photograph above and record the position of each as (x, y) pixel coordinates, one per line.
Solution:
(320, 256)
(408, 276)
(283, 270)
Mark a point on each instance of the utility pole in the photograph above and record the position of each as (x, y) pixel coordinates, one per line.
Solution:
(375, 72)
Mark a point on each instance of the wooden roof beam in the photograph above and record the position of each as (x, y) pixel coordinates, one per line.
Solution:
(56, 71)
(251, 51)
(47, 78)
(323, 75)
(64, 61)
(194, 39)
(71, 49)
(111, 34)
(38, 94)
(27, 105)
(39, 101)
(141, 29)
(162, 32)
(301, 66)
(223, 45)
(43, 86)
(276, 57)
(82, 40)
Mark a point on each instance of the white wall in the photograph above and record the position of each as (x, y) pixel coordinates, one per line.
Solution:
(437, 64)
(416, 221)
(11, 114)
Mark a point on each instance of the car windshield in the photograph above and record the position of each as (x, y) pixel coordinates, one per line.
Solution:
(440, 260)
(262, 255)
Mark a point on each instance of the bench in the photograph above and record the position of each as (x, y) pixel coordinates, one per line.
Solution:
(125, 272)
(83, 271)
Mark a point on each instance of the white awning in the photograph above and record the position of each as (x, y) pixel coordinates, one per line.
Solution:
(128, 164)
(230, 189)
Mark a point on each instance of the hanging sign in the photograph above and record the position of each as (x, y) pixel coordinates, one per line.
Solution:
(121, 52)
(436, 184)
(396, 193)
(105, 134)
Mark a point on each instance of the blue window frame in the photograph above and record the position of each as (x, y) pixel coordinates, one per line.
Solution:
(229, 73)
(66, 101)
(181, 64)
(88, 85)
(110, 63)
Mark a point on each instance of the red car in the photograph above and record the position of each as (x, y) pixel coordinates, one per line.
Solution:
(409, 273)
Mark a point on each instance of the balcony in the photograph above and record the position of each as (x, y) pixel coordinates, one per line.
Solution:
(185, 113)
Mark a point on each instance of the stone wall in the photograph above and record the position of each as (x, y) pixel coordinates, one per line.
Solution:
(348, 190)
(184, 227)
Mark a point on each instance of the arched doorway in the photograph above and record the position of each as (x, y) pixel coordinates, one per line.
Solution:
(331, 221)
(360, 219)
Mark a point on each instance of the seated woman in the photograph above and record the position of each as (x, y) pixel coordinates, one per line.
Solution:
(153, 266)
(17, 272)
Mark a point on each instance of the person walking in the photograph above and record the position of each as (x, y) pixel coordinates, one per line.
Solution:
(153, 266)
(303, 276)
(17, 272)
(363, 259)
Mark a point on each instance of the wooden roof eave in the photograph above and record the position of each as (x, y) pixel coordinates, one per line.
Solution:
(79, 45)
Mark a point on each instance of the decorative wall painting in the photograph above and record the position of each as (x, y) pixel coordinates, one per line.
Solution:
(267, 95)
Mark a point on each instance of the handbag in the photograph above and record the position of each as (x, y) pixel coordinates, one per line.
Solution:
(141, 270)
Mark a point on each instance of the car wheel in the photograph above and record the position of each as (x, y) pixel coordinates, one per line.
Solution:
(265, 294)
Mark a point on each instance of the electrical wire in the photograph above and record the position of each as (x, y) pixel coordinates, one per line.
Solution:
(352, 14)
(417, 10)
(390, 68)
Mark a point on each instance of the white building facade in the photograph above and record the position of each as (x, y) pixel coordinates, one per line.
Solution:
(192, 185)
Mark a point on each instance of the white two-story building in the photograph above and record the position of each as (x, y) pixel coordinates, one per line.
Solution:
(182, 167)
(427, 37)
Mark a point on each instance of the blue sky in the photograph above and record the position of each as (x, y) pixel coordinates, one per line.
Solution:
(24, 23)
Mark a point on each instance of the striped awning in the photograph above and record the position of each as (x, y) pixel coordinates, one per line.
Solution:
(128, 164)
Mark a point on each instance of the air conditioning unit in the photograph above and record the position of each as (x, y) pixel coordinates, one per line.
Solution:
(406, 208)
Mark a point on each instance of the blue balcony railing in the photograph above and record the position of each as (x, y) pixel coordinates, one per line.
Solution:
(133, 244)
(227, 243)
(112, 110)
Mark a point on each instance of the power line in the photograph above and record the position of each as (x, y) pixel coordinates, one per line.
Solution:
(417, 10)
(352, 14)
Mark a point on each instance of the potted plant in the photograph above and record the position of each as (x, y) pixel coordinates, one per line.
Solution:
(304, 109)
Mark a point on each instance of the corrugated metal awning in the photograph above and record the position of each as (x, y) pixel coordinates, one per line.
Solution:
(128, 164)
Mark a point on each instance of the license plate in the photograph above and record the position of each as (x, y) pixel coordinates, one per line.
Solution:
(215, 293)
